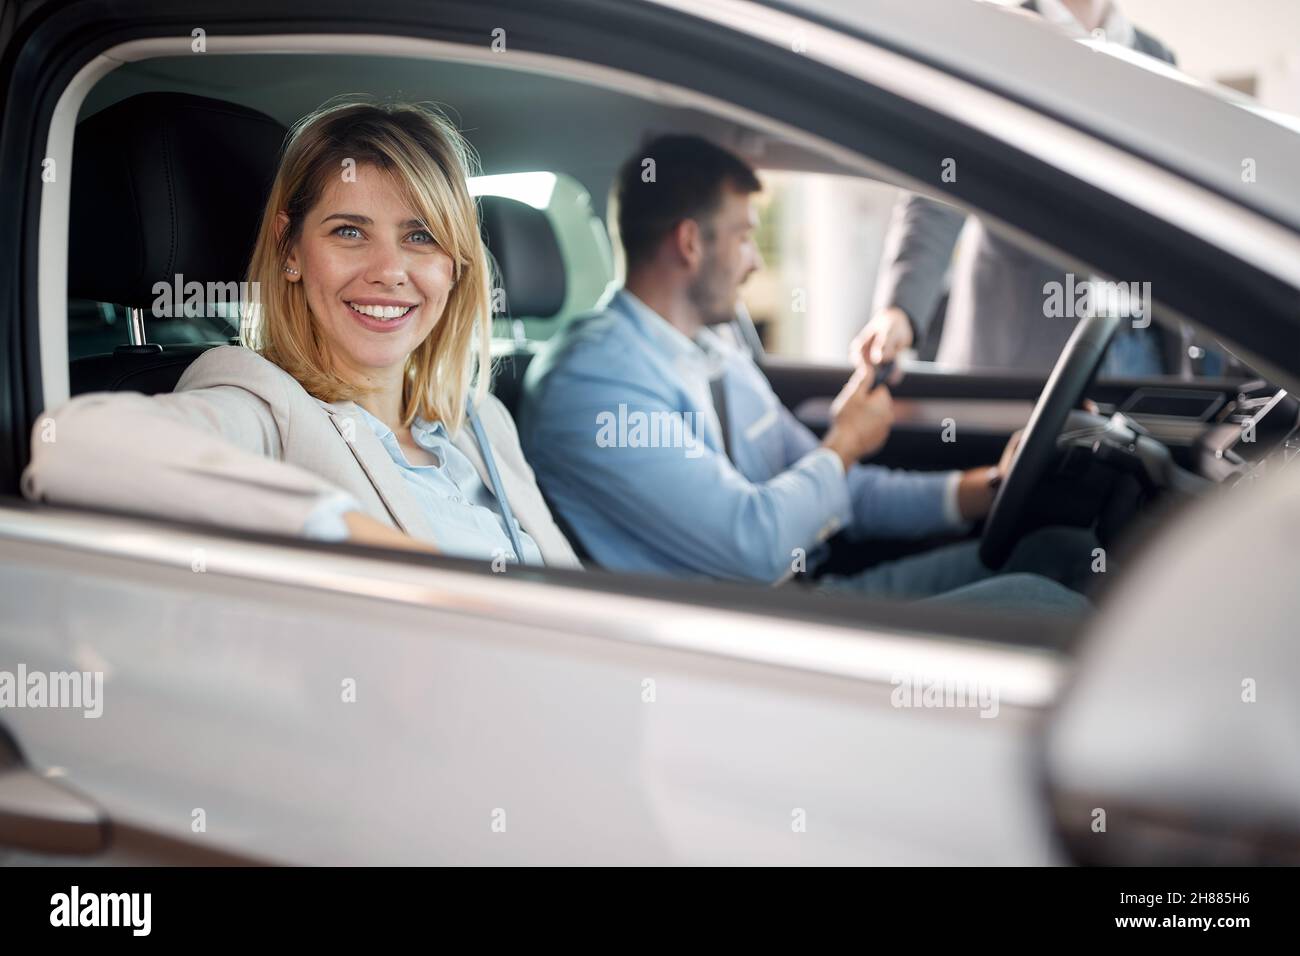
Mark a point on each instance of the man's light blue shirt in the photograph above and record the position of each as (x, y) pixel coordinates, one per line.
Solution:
(462, 509)
(618, 423)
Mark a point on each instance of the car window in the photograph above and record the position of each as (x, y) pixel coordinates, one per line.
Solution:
(826, 239)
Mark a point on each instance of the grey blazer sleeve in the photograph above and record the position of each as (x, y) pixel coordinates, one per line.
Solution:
(207, 454)
(918, 249)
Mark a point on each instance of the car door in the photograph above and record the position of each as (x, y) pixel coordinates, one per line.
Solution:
(325, 707)
(281, 701)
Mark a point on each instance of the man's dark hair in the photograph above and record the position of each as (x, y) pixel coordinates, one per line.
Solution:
(689, 176)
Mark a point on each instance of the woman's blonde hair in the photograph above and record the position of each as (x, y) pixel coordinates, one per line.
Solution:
(430, 162)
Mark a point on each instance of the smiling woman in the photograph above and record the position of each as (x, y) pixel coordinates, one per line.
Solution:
(370, 228)
(365, 359)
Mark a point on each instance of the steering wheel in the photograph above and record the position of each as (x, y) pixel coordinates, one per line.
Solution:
(1064, 390)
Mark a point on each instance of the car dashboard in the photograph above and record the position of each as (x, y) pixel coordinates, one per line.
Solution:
(1258, 433)
(1219, 436)
(1120, 466)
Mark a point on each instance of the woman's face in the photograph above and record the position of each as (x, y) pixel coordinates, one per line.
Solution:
(375, 280)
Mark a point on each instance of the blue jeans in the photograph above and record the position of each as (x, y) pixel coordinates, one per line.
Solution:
(1046, 572)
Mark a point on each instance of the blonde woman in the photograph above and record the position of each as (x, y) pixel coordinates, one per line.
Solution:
(357, 408)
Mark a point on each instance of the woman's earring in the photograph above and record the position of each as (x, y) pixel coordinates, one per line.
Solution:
(291, 270)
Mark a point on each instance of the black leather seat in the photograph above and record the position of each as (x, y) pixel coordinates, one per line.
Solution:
(531, 270)
(164, 185)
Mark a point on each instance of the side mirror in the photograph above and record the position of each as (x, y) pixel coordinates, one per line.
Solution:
(1178, 740)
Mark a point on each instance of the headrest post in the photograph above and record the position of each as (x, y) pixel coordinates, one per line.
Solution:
(136, 330)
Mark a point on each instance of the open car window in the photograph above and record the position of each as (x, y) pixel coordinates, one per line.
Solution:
(823, 231)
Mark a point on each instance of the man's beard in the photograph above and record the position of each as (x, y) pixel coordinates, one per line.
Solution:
(712, 297)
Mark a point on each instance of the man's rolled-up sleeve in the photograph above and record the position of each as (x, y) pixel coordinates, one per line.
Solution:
(893, 503)
(886, 502)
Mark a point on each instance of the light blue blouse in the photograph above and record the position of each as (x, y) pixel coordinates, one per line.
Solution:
(467, 518)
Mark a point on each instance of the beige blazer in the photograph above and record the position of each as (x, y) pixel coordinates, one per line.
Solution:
(241, 443)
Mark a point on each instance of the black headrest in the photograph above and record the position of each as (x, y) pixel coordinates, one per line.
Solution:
(523, 243)
(166, 184)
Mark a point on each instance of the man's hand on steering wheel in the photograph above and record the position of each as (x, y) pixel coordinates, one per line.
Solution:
(977, 487)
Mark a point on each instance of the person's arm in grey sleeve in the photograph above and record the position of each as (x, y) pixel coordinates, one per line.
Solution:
(918, 249)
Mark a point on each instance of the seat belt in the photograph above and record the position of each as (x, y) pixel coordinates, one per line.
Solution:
(719, 395)
(498, 489)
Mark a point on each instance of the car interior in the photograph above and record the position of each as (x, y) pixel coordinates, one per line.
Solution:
(173, 155)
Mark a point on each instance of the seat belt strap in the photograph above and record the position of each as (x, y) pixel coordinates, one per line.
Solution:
(498, 489)
(719, 394)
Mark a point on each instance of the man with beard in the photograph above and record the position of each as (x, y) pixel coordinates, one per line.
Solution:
(753, 495)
